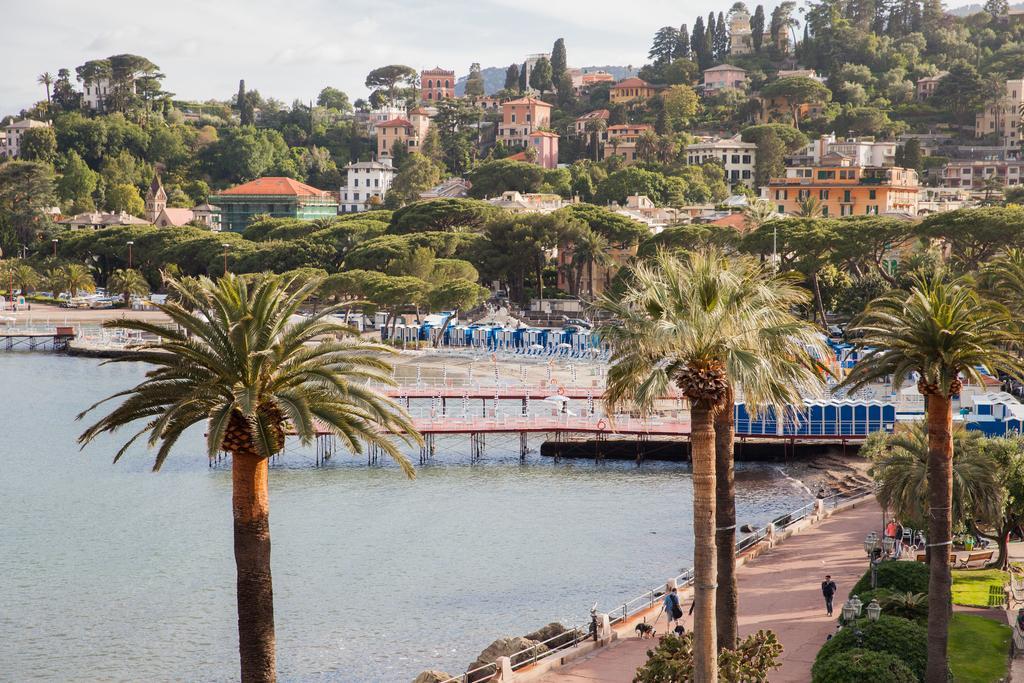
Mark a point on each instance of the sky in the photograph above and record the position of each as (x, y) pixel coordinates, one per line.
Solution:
(290, 49)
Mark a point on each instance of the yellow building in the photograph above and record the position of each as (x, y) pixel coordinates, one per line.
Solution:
(620, 140)
(842, 189)
(630, 90)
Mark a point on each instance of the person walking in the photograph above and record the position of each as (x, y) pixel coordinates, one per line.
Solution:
(828, 589)
(897, 547)
(670, 605)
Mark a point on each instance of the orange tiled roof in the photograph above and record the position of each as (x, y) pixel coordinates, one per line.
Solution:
(529, 100)
(632, 83)
(596, 114)
(395, 123)
(631, 126)
(543, 134)
(274, 185)
(420, 111)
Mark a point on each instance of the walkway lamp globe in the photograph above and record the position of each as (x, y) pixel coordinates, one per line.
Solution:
(888, 543)
(874, 610)
(857, 605)
(870, 543)
(850, 612)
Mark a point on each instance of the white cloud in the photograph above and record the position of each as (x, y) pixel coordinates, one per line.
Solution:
(292, 50)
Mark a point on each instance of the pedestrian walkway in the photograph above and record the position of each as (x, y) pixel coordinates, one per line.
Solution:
(779, 590)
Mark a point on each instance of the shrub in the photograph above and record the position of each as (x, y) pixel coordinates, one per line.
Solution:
(901, 577)
(899, 637)
(751, 661)
(858, 665)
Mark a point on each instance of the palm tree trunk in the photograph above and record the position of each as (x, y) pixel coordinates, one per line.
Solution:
(250, 505)
(702, 452)
(819, 305)
(940, 531)
(726, 599)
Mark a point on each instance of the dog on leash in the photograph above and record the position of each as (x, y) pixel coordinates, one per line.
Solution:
(644, 630)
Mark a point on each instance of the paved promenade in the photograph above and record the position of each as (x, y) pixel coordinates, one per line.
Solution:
(780, 590)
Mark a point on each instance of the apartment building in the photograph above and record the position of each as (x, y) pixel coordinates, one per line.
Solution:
(10, 143)
(519, 118)
(843, 189)
(738, 158)
(436, 84)
(1002, 118)
(366, 185)
(621, 140)
(724, 76)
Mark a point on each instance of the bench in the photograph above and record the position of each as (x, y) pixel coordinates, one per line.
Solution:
(1015, 589)
(983, 557)
(923, 557)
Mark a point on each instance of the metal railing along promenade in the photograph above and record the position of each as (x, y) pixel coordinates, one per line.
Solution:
(649, 599)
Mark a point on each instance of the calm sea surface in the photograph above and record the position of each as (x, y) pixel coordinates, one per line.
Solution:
(113, 573)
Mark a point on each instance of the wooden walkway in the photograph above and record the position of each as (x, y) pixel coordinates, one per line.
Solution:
(779, 590)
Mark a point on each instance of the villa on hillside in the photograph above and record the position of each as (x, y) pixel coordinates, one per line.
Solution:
(453, 188)
(630, 90)
(845, 189)
(367, 183)
(10, 142)
(95, 220)
(722, 77)
(273, 196)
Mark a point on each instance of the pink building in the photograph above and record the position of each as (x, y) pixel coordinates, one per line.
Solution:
(724, 76)
(545, 143)
(436, 84)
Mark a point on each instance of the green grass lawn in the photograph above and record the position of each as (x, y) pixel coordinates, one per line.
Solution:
(978, 587)
(978, 649)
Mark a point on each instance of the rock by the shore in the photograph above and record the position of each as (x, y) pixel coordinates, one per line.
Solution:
(504, 647)
(432, 676)
(544, 633)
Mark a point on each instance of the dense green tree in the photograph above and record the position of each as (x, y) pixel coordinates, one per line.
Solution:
(332, 98)
(541, 77)
(523, 77)
(798, 91)
(77, 182)
(491, 178)
(975, 235)
(418, 174)
(664, 46)
(376, 253)
(512, 77)
(757, 28)
(620, 231)
(559, 60)
(632, 181)
(38, 144)
(446, 215)
(393, 80)
(682, 48)
(125, 197)
(475, 81)
(680, 103)
(26, 194)
(244, 153)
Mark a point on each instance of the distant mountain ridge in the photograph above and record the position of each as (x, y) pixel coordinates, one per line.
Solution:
(974, 8)
(494, 77)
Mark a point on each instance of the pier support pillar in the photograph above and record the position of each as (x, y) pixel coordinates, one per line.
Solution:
(819, 508)
(769, 534)
(604, 629)
(504, 668)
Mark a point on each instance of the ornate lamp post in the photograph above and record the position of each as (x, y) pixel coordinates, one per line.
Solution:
(874, 610)
(130, 243)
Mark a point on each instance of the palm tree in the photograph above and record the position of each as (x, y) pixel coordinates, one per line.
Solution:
(710, 327)
(757, 212)
(46, 79)
(235, 363)
(589, 248)
(1002, 279)
(900, 467)
(647, 146)
(991, 185)
(595, 127)
(666, 148)
(127, 283)
(939, 331)
(810, 207)
(71, 278)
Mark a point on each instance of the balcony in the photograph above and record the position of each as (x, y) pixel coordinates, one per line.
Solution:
(872, 181)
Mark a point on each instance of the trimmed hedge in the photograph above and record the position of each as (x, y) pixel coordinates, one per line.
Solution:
(901, 638)
(901, 577)
(858, 665)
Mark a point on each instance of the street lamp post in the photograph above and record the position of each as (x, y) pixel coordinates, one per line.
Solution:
(225, 245)
(130, 243)
(54, 241)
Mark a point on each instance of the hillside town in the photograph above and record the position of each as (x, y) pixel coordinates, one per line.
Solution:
(554, 348)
